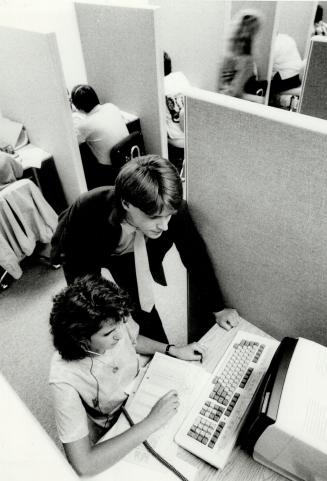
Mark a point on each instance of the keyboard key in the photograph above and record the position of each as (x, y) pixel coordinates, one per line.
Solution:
(221, 410)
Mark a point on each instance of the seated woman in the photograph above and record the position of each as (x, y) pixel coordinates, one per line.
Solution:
(287, 66)
(320, 27)
(238, 69)
(100, 127)
(176, 85)
(10, 169)
(95, 363)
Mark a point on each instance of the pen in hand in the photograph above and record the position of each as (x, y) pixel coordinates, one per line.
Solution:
(200, 354)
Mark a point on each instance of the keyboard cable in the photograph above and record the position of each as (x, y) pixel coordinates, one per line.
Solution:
(153, 452)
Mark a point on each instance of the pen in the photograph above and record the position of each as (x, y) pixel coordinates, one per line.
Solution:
(200, 354)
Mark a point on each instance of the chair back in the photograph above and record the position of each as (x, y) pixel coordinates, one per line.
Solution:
(128, 148)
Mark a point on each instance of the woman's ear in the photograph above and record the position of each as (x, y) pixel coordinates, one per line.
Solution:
(84, 345)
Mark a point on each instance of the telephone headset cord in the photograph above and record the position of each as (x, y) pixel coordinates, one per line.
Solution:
(153, 452)
(131, 423)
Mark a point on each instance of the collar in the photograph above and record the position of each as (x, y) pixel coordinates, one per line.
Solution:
(94, 110)
(116, 215)
(128, 228)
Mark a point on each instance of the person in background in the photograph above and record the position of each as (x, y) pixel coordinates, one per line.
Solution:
(176, 85)
(101, 126)
(128, 229)
(287, 68)
(10, 169)
(320, 27)
(238, 70)
(94, 365)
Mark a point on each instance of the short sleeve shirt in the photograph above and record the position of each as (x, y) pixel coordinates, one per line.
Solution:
(92, 382)
(101, 128)
(286, 58)
(176, 86)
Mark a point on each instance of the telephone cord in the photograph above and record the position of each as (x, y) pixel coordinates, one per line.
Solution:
(153, 452)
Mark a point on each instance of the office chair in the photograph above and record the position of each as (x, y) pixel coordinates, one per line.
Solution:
(128, 148)
(97, 174)
(176, 156)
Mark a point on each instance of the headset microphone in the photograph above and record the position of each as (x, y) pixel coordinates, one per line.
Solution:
(92, 352)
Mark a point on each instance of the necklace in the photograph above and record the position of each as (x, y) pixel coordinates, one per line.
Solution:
(112, 364)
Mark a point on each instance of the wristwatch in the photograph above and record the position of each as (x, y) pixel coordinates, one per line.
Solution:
(168, 349)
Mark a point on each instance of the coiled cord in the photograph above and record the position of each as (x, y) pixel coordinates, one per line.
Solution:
(153, 452)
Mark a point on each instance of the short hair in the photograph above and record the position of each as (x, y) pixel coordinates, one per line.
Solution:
(150, 183)
(167, 64)
(319, 14)
(84, 98)
(81, 309)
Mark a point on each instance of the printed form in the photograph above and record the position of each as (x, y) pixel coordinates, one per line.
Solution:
(163, 374)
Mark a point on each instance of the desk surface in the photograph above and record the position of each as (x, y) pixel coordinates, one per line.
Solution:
(239, 465)
(27, 453)
(32, 156)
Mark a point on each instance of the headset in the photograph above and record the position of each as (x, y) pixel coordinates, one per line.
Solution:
(96, 404)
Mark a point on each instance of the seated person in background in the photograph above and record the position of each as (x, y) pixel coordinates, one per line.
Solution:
(10, 169)
(238, 70)
(140, 218)
(320, 27)
(287, 69)
(101, 126)
(176, 84)
(93, 368)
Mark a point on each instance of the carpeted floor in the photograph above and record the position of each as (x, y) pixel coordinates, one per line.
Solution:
(25, 341)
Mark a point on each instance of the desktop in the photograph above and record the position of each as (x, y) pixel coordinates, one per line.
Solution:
(280, 419)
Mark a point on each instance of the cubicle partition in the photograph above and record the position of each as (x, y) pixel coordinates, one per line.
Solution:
(313, 99)
(124, 64)
(193, 32)
(324, 7)
(257, 190)
(296, 18)
(32, 91)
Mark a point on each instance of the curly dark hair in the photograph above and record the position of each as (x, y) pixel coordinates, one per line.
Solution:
(81, 309)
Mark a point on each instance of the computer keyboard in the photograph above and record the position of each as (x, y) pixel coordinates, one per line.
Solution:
(211, 428)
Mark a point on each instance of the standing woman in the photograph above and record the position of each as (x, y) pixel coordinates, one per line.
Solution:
(238, 69)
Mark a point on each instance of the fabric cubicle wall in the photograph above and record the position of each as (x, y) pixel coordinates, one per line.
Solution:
(313, 99)
(124, 64)
(33, 92)
(296, 18)
(193, 33)
(257, 190)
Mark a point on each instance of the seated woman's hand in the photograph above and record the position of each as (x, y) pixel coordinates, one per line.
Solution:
(190, 352)
(164, 409)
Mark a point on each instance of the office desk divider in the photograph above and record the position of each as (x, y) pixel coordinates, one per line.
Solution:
(313, 97)
(123, 61)
(257, 191)
(33, 92)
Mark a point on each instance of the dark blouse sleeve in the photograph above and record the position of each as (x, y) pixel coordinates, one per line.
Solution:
(195, 257)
